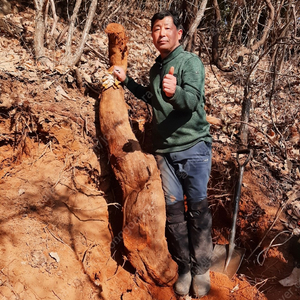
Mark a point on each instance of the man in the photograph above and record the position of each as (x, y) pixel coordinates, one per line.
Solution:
(182, 145)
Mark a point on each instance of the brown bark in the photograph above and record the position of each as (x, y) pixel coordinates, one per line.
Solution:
(84, 36)
(215, 40)
(69, 59)
(267, 27)
(70, 33)
(215, 34)
(55, 17)
(195, 24)
(40, 7)
(189, 12)
(137, 173)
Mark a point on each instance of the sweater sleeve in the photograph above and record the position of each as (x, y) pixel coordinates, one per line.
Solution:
(138, 90)
(190, 87)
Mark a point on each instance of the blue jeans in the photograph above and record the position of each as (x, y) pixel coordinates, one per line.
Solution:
(188, 232)
(185, 173)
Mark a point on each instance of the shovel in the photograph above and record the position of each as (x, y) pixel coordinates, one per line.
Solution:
(227, 259)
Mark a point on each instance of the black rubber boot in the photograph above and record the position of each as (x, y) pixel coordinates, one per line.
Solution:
(201, 247)
(201, 285)
(178, 242)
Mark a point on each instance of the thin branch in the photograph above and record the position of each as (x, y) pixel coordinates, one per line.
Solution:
(57, 238)
(278, 213)
(55, 18)
(295, 24)
(44, 152)
(274, 75)
(99, 54)
(62, 34)
(71, 30)
(211, 67)
(56, 295)
(46, 12)
(281, 74)
(85, 32)
(114, 12)
(196, 23)
(260, 58)
(215, 33)
(37, 4)
(265, 32)
(78, 218)
(259, 130)
(232, 24)
(268, 26)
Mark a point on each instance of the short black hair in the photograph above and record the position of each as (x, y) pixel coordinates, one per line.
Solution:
(166, 13)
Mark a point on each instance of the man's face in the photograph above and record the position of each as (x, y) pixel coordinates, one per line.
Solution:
(165, 36)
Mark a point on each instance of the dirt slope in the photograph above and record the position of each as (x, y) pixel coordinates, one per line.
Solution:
(60, 214)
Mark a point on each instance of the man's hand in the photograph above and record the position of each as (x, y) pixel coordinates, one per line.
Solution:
(119, 73)
(169, 83)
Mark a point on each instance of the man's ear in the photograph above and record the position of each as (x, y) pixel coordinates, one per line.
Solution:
(179, 32)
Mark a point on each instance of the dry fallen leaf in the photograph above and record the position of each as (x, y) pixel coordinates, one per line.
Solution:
(61, 69)
(47, 84)
(293, 279)
(61, 94)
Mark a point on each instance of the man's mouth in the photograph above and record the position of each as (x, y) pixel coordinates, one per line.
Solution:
(162, 42)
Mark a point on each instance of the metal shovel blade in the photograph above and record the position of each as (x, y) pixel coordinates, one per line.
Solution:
(228, 258)
(219, 259)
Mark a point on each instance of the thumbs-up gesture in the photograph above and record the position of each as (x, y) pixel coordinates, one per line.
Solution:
(169, 83)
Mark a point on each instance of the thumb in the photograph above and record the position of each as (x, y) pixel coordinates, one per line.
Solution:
(171, 71)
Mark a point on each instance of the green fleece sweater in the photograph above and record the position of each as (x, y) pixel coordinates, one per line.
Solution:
(179, 122)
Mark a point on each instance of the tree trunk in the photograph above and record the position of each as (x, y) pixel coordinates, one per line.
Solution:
(195, 24)
(84, 37)
(144, 214)
(189, 11)
(39, 33)
(215, 34)
(215, 39)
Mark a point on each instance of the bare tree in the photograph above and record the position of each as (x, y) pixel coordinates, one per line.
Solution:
(42, 8)
(194, 25)
(265, 32)
(40, 16)
(69, 59)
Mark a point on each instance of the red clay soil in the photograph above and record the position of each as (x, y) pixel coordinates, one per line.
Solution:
(50, 203)
(57, 198)
(224, 288)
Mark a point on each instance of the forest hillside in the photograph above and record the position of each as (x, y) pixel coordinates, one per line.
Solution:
(61, 205)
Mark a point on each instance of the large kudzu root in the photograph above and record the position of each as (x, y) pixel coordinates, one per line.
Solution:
(139, 178)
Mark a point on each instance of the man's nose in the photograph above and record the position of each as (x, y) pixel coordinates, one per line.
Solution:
(162, 32)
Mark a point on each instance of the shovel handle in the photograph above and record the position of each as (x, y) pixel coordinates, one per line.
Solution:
(238, 190)
(231, 245)
(244, 151)
(236, 202)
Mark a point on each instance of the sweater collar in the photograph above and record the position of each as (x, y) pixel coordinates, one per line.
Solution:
(171, 56)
